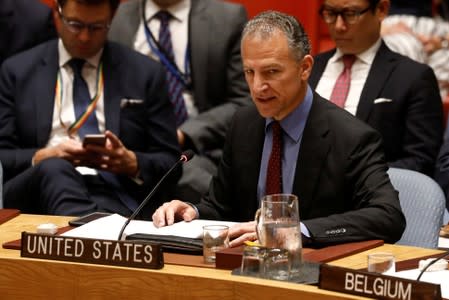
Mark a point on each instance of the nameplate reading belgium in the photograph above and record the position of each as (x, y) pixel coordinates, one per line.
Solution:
(374, 285)
(105, 252)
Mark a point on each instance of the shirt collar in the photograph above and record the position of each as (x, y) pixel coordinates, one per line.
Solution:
(180, 11)
(366, 56)
(64, 56)
(293, 124)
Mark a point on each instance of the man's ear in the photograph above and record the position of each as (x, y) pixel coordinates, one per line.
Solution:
(382, 9)
(56, 19)
(306, 67)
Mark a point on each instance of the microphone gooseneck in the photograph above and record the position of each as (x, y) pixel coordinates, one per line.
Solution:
(185, 157)
(438, 258)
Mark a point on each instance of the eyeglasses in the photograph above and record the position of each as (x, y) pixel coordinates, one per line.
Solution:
(350, 16)
(76, 27)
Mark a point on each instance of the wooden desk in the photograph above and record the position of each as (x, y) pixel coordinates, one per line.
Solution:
(22, 278)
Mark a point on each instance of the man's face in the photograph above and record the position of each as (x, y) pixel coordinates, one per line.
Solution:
(277, 81)
(364, 32)
(81, 41)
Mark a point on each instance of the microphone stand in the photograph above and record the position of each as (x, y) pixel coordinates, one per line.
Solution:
(431, 263)
(186, 156)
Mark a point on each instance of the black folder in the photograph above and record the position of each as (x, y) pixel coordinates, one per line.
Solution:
(170, 243)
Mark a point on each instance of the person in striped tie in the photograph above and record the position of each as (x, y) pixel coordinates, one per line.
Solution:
(198, 43)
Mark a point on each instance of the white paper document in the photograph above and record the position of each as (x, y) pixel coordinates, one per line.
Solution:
(109, 227)
(443, 243)
(437, 277)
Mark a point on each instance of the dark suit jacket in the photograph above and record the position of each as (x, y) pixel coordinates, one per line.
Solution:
(219, 86)
(27, 97)
(341, 181)
(23, 24)
(411, 124)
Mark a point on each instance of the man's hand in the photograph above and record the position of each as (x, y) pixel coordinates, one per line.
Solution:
(181, 138)
(172, 211)
(239, 233)
(114, 157)
(70, 150)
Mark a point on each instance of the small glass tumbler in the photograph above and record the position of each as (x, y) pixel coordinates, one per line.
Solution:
(253, 261)
(277, 264)
(215, 238)
(381, 262)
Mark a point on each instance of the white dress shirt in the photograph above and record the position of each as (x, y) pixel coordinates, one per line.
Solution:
(359, 73)
(64, 110)
(179, 29)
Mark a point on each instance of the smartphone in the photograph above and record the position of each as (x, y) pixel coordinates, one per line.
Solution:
(94, 139)
(87, 218)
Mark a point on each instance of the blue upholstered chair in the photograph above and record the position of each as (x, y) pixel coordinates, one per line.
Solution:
(423, 203)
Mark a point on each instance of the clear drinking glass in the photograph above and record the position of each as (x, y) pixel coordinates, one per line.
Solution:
(381, 262)
(253, 260)
(215, 238)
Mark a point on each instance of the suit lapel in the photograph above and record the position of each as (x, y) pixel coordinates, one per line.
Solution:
(6, 28)
(312, 154)
(383, 64)
(318, 68)
(256, 134)
(45, 88)
(111, 89)
(199, 47)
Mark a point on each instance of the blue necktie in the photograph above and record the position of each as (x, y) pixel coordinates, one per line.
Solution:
(81, 100)
(175, 86)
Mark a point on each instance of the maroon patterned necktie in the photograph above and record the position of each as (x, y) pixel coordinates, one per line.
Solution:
(341, 87)
(274, 170)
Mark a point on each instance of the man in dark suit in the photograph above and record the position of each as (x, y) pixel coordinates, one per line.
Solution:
(45, 113)
(23, 24)
(333, 162)
(206, 45)
(395, 95)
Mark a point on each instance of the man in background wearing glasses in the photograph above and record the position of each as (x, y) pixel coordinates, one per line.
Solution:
(54, 95)
(395, 95)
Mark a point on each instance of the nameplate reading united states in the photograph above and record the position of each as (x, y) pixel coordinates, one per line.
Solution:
(134, 254)
(374, 285)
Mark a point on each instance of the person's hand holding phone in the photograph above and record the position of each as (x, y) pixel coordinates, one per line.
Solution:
(94, 139)
(113, 156)
(69, 149)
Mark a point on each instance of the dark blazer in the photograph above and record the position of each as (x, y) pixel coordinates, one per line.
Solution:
(344, 191)
(411, 124)
(219, 86)
(27, 98)
(24, 24)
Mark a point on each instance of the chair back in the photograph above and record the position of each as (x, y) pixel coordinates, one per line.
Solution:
(423, 203)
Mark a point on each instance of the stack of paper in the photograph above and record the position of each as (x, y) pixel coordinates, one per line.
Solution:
(109, 228)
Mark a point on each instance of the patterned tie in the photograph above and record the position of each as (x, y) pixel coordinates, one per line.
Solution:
(81, 98)
(341, 87)
(175, 86)
(274, 170)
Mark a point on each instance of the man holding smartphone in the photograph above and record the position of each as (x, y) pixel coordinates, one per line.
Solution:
(56, 95)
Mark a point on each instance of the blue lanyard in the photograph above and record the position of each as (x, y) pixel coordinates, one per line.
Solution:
(171, 66)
